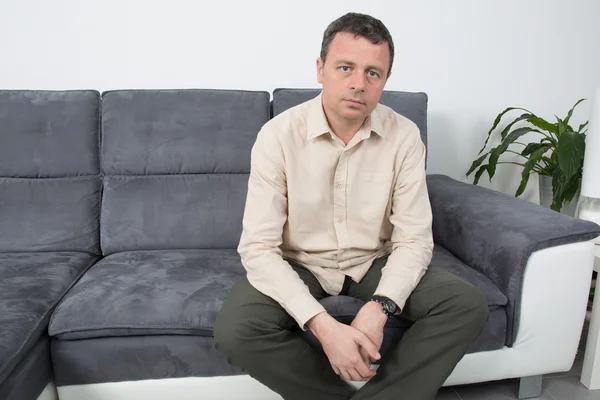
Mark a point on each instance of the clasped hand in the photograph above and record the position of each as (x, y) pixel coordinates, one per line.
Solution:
(351, 348)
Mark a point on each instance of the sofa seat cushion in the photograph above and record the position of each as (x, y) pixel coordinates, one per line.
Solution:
(31, 284)
(148, 293)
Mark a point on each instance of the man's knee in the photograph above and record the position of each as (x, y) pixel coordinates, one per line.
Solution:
(224, 333)
(239, 328)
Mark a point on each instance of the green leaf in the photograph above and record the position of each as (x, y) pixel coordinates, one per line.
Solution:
(571, 111)
(502, 147)
(562, 127)
(571, 149)
(478, 174)
(497, 121)
(536, 156)
(476, 163)
(571, 189)
(565, 190)
(552, 141)
(543, 124)
(507, 129)
(559, 185)
(523, 185)
(531, 147)
(582, 126)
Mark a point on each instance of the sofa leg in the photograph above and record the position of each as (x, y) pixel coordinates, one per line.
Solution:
(530, 386)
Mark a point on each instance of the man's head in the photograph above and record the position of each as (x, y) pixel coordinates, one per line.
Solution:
(356, 59)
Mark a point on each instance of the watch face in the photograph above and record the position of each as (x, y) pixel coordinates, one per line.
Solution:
(389, 307)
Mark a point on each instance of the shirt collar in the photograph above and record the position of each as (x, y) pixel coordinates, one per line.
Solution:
(317, 121)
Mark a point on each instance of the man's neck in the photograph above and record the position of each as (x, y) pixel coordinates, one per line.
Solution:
(344, 129)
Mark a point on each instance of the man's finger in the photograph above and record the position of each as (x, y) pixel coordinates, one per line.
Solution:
(365, 356)
(356, 376)
(371, 349)
(345, 375)
(336, 370)
(365, 370)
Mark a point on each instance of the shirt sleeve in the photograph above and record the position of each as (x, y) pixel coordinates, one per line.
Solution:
(265, 215)
(412, 237)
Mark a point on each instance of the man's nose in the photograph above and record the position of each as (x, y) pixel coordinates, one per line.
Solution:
(358, 81)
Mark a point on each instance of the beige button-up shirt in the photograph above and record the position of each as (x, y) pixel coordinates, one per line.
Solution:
(334, 208)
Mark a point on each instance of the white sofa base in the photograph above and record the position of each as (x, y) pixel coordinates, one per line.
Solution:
(49, 392)
(554, 298)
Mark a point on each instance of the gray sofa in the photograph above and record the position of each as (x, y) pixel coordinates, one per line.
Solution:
(120, 214)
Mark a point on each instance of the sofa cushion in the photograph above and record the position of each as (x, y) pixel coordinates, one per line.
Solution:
(411, 105)
(148, 293)
(172, 212)
(50, 214)
(49, 166)
(49, 133)
(31, 284)
(175, 161)
(178, 292)
(134, 358)
(192, 131)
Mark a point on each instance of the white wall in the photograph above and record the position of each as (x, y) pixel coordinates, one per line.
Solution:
(472, 57)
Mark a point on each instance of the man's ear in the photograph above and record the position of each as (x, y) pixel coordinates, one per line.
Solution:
(320, 66)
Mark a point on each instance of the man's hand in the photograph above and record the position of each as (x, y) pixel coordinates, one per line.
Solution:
(342, 345)
(370, 320)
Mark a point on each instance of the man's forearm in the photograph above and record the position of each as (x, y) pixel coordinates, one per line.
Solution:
(271, 275)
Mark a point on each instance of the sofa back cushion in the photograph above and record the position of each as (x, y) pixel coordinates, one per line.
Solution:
(411, 105)
(176, 165)
(49, 170)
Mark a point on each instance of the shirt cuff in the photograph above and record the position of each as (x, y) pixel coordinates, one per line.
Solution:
(388, 288)
(302, 307)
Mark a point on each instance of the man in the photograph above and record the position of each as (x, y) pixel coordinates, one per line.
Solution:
(337, 204)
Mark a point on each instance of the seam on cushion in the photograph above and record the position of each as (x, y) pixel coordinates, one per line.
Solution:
(51, 178)
(81, 335)
(140, 325)
(104, 93)
(151, 175)
(211, 250)
(46, 316)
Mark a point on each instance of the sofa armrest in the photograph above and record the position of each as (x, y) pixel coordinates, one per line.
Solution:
(496, 233)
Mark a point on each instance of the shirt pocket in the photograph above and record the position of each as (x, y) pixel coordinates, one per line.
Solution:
(374, 194)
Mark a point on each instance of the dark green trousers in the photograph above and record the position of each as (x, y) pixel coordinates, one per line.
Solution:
(259, 336)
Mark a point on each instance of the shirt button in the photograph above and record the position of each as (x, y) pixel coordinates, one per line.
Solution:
(340, 220)
(340, 187)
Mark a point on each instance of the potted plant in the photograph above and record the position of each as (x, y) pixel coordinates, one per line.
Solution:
(557, 156)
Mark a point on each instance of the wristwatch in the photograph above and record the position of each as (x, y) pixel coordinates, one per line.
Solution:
(388, 305)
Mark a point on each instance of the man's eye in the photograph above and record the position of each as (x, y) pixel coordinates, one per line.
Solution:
(345, 68)
(373, 74)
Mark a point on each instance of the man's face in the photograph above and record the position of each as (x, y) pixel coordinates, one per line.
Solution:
(353, 76)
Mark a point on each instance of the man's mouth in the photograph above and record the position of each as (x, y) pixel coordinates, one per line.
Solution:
(357, 102)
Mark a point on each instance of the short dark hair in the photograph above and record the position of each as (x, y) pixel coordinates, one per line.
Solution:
(359, 25)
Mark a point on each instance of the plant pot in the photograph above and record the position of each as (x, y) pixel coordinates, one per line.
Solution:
(546, 196)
